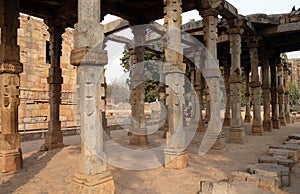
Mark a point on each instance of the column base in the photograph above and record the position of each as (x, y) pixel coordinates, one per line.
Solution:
(267, 126)
(257, 130)
(219, 143)
(275, 124)
(282, 121)
(11, 160)
(227, 122)
(101, 183)
(139, 140)
(247, 119)
(53, 140)
(237, 135)
(177, 161)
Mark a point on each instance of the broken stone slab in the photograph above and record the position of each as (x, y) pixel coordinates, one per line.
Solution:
(235, 187)
(294, 136)
(289, 154)
(292, 147)
(267, 183)
(277, 160)
(271, 170)
(292, 141)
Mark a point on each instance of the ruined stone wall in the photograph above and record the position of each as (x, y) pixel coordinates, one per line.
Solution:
(295, 72)
(34, 95)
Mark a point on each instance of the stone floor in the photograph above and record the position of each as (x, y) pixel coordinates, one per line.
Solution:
(52, 171)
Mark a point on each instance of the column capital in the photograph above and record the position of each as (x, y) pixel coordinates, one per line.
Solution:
(236, 26)
(254, 41)
(87, 55)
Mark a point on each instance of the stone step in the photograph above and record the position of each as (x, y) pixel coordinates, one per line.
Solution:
(292, 141)
(294, 136)
(271, 170)
(289, 154)
(292, 147)
(277, 160)
(235, 187)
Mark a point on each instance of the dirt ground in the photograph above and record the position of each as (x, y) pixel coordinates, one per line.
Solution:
(52, 171)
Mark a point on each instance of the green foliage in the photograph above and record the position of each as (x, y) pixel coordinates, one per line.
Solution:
(294, 93)
(151, 73)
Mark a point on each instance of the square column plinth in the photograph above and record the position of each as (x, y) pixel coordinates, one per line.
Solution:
(176, 160)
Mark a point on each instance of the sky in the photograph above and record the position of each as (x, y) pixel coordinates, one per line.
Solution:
(114, 72)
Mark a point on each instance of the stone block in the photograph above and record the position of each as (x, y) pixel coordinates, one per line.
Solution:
(102, 183)
(294, 136)
(271, 170)
(292, 141)
(10, 160)
(238, 176)
(283, 153)
(277, 160)
(292, 147)
(175, 160)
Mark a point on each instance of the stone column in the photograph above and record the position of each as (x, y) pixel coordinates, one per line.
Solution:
(237, 132)
(54, 136)
(227, 115)
(199, 91)
(10, 68)
(176, 156)
(212, 75)
(266, 91)
(102, 98)
(281, 92)
(255, 86)
(207, 102)
(93, 175)
(286, 92)
(162, 98)
(274, 93)
(247, 96)
(137, 87)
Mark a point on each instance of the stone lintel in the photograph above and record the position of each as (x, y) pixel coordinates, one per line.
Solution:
(88, 55)
(11, 67)
(209, 12)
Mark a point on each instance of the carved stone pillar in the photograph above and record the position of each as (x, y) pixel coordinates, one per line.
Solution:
(176, 156)
(102, 98)
(93, 175)
(227, 116)
(237, 132)
(212, 76)
(274, 93)
(10, 68)
(54, 136)
(137, 87)
(266, 91)
(199, 91)
(286, 92)
(247, 96)
(207, 103)
(162, 98)
(255, 86)
(281, 92)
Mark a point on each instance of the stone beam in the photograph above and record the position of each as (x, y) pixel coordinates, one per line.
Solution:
(282, 28)
(119, 39)
(115, 26)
